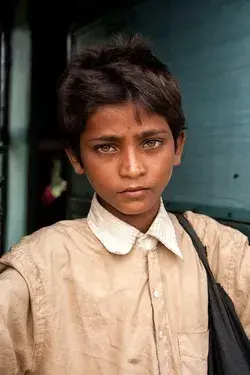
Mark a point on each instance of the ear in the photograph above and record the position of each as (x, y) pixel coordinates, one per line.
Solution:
(78, 168)
(179, 148)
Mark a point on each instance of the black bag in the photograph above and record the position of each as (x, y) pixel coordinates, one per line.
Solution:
(229, 346)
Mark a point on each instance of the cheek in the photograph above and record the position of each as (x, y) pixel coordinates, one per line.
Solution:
(161, 172)
(99, 175)
(166, 174)
(164, 165)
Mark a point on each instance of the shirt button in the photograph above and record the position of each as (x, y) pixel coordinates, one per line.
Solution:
(161, 335)
(156, 294)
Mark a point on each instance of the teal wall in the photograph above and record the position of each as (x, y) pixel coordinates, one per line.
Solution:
(207, 46)
(18, 128)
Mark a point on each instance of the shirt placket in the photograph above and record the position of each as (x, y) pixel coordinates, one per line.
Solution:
(159, 311)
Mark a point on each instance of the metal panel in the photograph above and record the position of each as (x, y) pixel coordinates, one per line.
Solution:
(207, 46)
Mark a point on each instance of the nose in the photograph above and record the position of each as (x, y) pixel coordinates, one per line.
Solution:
(131, 165)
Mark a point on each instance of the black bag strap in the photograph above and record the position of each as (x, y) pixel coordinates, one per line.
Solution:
(200, 248)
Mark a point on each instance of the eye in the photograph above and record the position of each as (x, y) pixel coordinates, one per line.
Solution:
(152, 143)
(105, 149)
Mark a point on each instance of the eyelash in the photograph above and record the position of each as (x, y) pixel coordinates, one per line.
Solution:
(156, 141)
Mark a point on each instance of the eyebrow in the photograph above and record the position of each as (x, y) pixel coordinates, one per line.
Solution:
(145, 134)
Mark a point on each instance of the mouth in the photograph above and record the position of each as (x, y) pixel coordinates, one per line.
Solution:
(136, 191)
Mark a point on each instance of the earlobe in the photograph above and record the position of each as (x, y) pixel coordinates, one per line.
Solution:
(78, 168)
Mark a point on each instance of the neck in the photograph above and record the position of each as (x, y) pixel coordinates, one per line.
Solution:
(142, 222)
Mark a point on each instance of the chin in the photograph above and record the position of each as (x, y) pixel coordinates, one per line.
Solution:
(134, 208)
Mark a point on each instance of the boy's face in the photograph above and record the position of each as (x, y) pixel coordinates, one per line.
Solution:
(128, 163)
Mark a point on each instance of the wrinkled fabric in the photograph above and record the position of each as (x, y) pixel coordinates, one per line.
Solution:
(68, 306)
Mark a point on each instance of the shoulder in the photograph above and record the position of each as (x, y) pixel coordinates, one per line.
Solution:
(228, 249)
(217, 237)
(213, 234)
(50, 246)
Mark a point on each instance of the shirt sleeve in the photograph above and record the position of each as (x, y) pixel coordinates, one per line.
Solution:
(16, 329)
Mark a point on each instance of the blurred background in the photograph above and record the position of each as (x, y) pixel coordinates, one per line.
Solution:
(205, 43)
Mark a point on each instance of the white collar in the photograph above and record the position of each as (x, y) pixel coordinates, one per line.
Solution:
(119, 237)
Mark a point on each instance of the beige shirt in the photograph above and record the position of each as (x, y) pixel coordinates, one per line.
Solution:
(69, 305)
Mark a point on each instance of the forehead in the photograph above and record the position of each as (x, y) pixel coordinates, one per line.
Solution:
(123, 119)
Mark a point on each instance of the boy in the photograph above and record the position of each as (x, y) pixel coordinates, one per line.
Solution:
(122, 291)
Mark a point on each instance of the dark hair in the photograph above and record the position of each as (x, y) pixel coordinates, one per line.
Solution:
(121, 70)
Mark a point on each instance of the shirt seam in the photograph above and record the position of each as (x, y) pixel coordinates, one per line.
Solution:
(39, 323)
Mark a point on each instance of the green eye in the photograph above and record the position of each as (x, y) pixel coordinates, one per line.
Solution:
(105, 149)
(152, 143)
